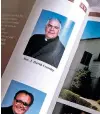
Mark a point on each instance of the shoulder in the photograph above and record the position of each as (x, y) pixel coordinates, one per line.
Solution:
(38, 36)
(6, 109)
(60, 44)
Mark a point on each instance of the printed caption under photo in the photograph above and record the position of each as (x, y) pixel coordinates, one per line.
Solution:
(38, 63)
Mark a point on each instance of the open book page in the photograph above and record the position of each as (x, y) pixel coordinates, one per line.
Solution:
(14, 16)
(81, 89)
(41, 54)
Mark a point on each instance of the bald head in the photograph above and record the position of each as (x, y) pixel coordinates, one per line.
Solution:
(52, 28)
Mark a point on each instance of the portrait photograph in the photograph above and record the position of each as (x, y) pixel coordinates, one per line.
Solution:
(49, 38)
(22, 99)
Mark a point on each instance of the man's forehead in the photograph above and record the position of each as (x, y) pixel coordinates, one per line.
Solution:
(54, 21)
(22, 94)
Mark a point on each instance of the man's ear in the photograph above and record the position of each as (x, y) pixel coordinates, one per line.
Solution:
(59, 32)
(27, 108)
(45, 27)
(13, 101)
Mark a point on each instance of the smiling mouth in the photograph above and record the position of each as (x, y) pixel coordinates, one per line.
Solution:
(20, 109)
(51, 32)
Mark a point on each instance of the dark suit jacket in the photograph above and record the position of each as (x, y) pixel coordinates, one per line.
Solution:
(7, 110)
(49, 51)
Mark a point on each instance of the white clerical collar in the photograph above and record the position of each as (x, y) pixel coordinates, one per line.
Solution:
(46, 39)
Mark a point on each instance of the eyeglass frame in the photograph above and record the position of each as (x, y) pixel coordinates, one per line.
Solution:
(21, 102)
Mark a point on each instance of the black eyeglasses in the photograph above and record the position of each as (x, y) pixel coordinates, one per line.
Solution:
(56, 27)
(24, 103)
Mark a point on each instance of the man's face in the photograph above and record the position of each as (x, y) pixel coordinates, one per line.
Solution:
(21, 103)
(52, 29)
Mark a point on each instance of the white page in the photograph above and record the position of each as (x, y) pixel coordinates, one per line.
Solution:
(35, 73)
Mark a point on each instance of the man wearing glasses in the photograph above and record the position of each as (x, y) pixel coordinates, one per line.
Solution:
(47, 47)
(21, 103)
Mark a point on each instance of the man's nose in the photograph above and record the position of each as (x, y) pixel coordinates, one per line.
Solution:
(21, 105)
(52, 28)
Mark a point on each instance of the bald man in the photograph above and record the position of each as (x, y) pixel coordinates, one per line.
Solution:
(47, 47)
